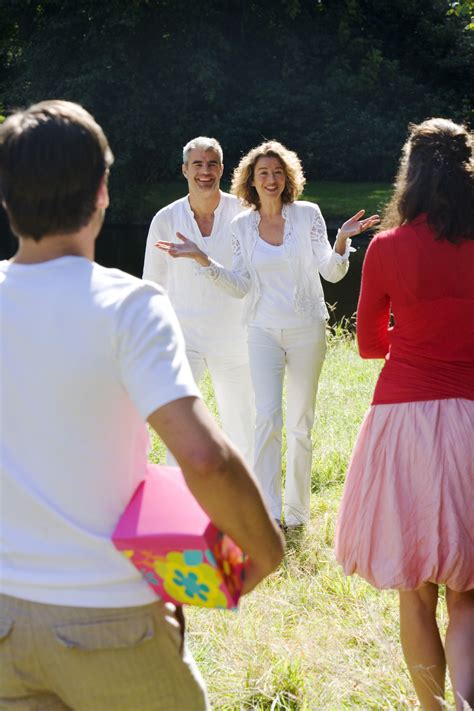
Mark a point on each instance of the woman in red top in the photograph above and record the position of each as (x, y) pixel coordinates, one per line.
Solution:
(407, 514)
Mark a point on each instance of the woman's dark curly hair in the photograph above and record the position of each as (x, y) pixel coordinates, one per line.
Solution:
(435, 177)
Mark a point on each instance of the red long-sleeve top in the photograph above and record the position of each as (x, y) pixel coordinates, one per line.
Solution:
(428, 285)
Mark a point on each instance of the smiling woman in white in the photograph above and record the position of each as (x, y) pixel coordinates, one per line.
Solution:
(280, 247)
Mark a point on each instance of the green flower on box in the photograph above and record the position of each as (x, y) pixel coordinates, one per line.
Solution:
(186, 578)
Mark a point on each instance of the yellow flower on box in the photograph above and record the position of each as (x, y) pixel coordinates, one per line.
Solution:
(188, 579)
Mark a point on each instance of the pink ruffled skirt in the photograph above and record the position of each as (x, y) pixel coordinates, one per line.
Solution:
(407, 512)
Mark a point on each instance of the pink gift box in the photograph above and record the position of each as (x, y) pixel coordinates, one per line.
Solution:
(172, 542)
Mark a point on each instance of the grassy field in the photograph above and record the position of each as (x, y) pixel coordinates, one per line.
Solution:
(338, 200)
(309, 638)
(335, 199)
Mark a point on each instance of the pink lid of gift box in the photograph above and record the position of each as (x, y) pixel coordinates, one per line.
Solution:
(180, 522)
(168, 537)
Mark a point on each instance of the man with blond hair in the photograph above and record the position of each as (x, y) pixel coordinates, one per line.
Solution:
(212, 324)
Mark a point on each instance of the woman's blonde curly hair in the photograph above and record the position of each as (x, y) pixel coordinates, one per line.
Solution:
(244, 173)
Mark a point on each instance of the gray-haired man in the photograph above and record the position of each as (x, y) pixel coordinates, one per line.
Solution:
(212, 323)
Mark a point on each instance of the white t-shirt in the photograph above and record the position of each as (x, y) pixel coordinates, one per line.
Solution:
(211, 320)
(87, 354)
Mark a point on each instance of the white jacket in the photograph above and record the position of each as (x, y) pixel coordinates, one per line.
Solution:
(311, 255)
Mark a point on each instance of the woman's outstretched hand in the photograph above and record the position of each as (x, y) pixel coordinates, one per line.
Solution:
(187, 249)
(355, 225)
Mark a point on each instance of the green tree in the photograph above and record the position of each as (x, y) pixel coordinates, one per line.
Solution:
(337, 80)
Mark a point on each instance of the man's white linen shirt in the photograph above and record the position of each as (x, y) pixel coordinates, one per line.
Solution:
(212, 321)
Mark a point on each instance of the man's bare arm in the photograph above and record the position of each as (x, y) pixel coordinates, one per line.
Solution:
(221, 482)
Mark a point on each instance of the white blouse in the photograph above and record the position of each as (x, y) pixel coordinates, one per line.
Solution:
(309, 255)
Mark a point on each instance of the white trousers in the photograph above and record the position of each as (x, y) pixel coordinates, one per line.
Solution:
(232, 385)
(299, 351)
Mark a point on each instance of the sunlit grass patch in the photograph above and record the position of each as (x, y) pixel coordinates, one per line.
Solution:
(335, 199)
(308, 637)
(338, 200)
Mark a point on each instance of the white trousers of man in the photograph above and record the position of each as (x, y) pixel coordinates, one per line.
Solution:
(233, 391)
(301, 352)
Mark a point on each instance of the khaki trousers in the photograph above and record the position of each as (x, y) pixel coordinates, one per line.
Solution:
(95, 659)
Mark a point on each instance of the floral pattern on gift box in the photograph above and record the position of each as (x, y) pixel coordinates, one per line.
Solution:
(231, 559)
(188, 579)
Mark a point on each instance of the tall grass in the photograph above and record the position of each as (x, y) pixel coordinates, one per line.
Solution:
(309, 638)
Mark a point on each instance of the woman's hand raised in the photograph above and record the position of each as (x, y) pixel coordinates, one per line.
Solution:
(355, 225)
(187, 249)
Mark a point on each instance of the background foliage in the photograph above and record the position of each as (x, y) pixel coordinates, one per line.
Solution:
(337, 80)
